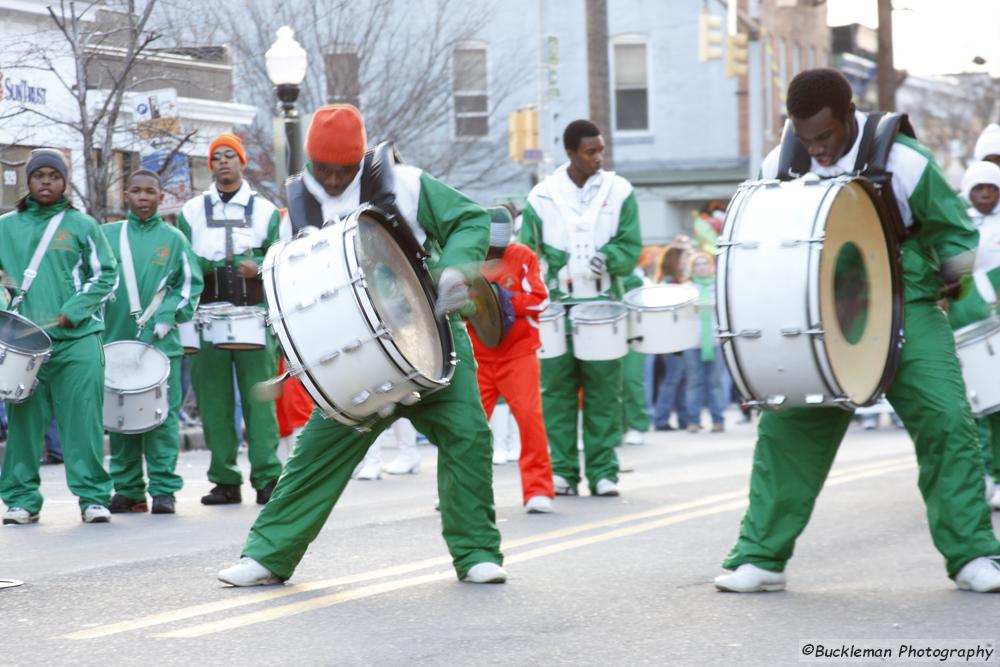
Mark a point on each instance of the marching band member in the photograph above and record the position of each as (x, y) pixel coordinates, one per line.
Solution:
(981, 187)
(75, 277)
(231, 227)
(511, 368)
(583, 223)
(327, 451)
(988, 145)
(796, 447)
(165, 270)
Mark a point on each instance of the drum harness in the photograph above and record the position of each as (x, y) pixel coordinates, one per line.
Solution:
(226, 277)
(132, 287)
(36, 259)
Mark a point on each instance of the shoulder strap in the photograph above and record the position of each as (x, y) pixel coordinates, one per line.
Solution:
(248, 210)
(890, 125)
(863, 161)
(209, 210)
(36, 258)
(378, 189)
(132, 286)
(303, 209)
(793, 160)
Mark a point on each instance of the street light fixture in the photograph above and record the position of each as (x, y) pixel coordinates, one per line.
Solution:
(286, 67)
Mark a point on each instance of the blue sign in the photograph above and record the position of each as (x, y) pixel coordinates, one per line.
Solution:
(176, 178)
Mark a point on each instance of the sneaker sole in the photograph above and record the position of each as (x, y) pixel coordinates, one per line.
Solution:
(763, 588)
(18, 522)
(100, 519)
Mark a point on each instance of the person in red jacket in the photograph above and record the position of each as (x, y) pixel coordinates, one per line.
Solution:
(511, 369)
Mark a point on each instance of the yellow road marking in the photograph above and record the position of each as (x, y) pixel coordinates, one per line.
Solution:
(839, 476)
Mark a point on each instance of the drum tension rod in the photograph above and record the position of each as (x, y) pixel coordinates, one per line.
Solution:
(791, 243)
(796, 331)
(748, 245)
(745, 333)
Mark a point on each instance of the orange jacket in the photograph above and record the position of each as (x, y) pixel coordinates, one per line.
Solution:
(517, 272)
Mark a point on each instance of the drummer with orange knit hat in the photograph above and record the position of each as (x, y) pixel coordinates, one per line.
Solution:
(231, 227)
(454, 232)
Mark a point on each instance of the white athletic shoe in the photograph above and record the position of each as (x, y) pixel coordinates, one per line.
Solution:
(605, 487)
(405, 463)
(633, 437)
(18, 516)
(499, 454)
(562, 487)
(538, 505)
(995, 500)
(370, 467)
(980, 575)
(96, 514)
(248, 572)
(991, 486)
(485, 573)
(748, 578)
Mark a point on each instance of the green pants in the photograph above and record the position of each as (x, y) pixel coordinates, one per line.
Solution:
(601, 381)
(634, 414)
(71, 387)
(796, 447)
(989, 440)
(212, 376)
(158, 447)
(327, 452)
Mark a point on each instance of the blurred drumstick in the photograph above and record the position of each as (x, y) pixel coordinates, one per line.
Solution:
(269, 390)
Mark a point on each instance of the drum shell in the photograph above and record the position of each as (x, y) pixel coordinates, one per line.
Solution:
(351, 374)
(599, 340)
(978, 349)
(137, 410)
(663, 330)
(236, 329)
(190, 337)
(19, 365)
(552, 332)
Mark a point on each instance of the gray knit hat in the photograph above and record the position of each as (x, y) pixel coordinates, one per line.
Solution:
(501, 226)
(46, 157)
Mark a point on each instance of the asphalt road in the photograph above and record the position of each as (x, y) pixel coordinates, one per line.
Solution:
(618, 581)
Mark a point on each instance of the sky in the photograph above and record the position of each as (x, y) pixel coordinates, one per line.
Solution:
(933, 36)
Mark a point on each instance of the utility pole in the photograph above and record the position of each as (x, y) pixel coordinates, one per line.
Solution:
(598, 81)
(886, 68)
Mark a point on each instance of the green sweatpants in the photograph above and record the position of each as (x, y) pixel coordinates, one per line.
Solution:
(796, 448)
(212, 376)
(989, 440)
(158, 447)
(634, 414)
(327, 452)
(601, 381)
(71, 387)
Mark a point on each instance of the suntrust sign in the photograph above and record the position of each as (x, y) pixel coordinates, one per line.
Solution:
(21, 91)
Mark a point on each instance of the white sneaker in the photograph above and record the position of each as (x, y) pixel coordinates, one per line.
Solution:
(248, 572)
(18, 516)
(562, 487)
(991, 486)
(370, 467)
(96, 514)
(995, 500)
(499, 455)
(485, 573)
(633, 437)
(538, 505)
(748, 578)
(981, 575)
(605, 487)
(404, 464)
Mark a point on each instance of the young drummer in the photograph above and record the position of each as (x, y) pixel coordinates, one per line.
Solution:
(165, 269)
(75, 276)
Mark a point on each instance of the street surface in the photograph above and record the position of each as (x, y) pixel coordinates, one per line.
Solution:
(617, 581)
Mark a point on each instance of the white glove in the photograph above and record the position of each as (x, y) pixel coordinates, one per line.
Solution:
(161, 329)
(599, 264)
(452, 291)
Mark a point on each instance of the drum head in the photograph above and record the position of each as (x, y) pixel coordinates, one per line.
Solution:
(554, 311)
(856, 293)
(660, 297)
(399, 298)
(19, 333)
(596, 312)
(488, 320)
(133, 366)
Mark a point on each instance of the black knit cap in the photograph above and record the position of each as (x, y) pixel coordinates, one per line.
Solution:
(46, 157)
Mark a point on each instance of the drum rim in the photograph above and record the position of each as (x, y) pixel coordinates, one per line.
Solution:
(654, 309)
(976, 331)
(24, 350)
(116, 390)
(604, 320)
(557, 310)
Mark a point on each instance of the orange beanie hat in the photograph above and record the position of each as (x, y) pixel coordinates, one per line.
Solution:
(229, 141)
(336, 135)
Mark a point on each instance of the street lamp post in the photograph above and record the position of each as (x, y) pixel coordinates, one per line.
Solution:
(286, 67)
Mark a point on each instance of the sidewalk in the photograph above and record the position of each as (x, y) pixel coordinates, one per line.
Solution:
(192, 439)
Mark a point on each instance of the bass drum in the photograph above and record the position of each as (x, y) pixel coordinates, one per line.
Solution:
(354, 316)
(810, 293)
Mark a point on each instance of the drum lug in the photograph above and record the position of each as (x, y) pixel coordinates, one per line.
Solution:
(322, 243)
(328, 294)
(776, 400)
(306, 304)
(795, 331)
(386, 410)
(745, 333)
(329, 356)
(159, 394)
(121, 421)
(353, 346)
(815, 399)
(121, 399)
(411, 398)
(384, 388)
(19, 391)
(748, 245)
(159, 411)
(791, 243)
(361, 397)
(989, 349)
(3, 355)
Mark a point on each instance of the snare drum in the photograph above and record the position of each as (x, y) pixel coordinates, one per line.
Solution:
(600, 330)
(23, 349)
(354, 316)
(978, 348)
(235, 328)
(190, 338)
(663, 318)
(136, 399)
(810, 293)
(552, 331)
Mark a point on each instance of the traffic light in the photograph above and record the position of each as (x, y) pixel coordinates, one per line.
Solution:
(736, 55)
(522, 135)
(709, 37)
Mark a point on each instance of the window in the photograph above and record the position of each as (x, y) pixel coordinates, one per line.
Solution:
(343, 74)
(631, 85)
(471, 96)
(14, 184)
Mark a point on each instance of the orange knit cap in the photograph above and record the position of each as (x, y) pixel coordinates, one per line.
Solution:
(229, 141)
(336, 135)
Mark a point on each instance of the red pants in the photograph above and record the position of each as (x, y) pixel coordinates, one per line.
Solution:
(518, 381)
(294, 405)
